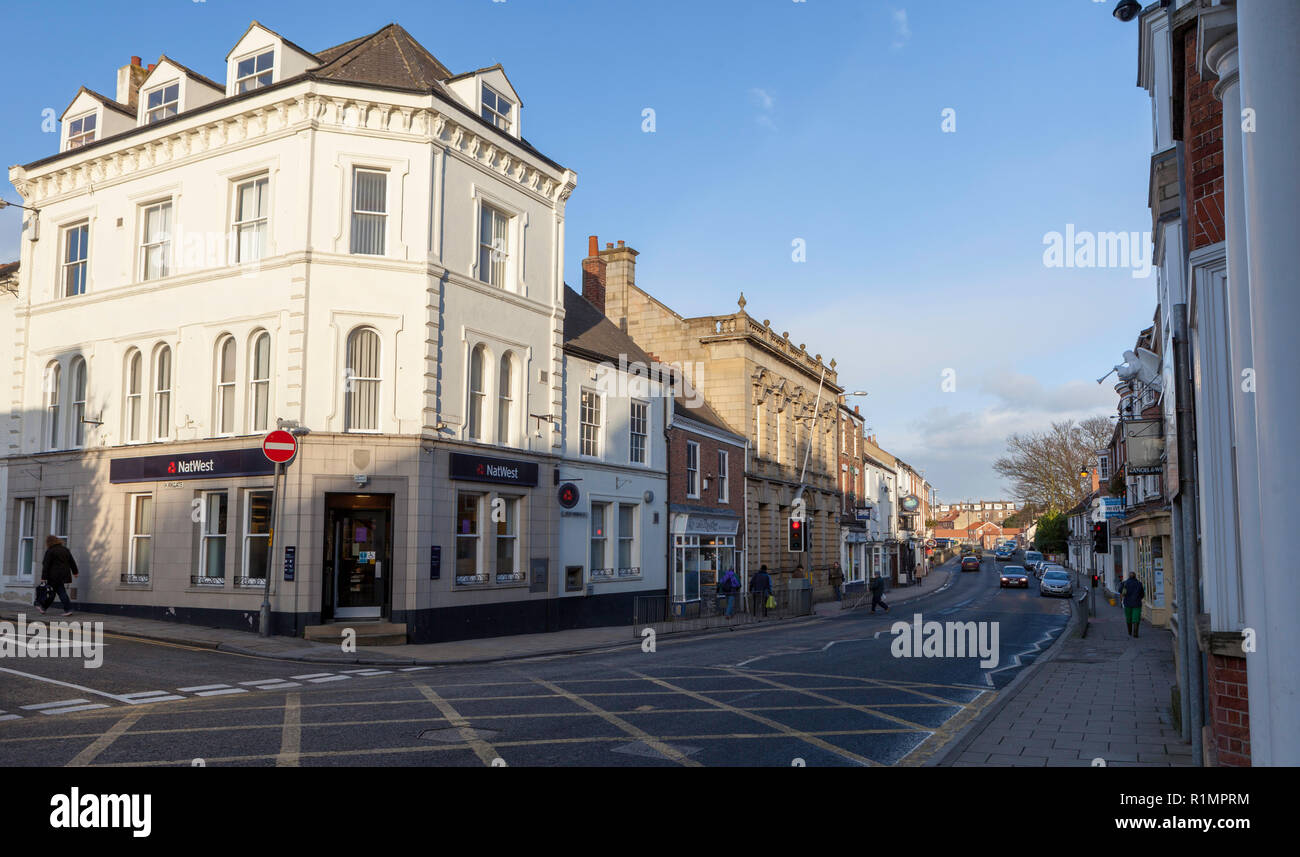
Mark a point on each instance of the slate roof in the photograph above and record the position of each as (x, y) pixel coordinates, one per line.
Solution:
(7, 270)
(102, 99)
(588, 333)
(387, 57)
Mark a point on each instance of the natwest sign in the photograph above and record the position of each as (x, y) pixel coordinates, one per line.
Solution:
(217, 464)
(479, 468)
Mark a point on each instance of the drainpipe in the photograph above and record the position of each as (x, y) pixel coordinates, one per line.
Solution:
(1189, 591)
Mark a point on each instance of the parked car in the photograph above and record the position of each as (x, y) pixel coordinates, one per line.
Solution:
(1032, 559)
(1044, 567)
(970, 562)
(1014, 575)
(1055, 582)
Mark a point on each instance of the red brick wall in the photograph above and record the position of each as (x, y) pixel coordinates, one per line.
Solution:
(677, 437)
(1229, 711)
(1202, 135)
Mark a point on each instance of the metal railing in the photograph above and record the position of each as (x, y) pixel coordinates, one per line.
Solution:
(666, 615)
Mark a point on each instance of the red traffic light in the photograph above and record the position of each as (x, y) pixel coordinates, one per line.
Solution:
(794, 525)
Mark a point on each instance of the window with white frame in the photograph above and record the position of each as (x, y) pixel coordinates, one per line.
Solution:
(692, 469)
(53, 396)
(639, 425)
(369, 211)
(497, 109)
(254, 72)
(469, 554)
(26, 538)
(81, 131)
(477, 391)
(724, 488)
(259, 383)
(589, 419)
(628, 566)
(362, 381)
(78, 428)
(59, 507)
(257, 537)
(140, 551)
(212, 548)
(506, 511)
(600, 541)
(505, 399)
(162, 102)
(249, 227)
(134, 395)
(156, 241)
(225, 417)
(162, 393)
(76, 251)
(493, 246)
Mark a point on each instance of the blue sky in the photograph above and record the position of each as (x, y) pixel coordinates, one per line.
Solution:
(775, 121)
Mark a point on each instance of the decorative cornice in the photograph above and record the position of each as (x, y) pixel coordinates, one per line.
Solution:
(292, 113)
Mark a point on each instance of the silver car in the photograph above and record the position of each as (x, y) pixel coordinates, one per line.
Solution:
(1055, 582)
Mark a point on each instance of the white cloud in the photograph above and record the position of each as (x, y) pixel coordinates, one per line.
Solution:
(902, 32)
(762, 99)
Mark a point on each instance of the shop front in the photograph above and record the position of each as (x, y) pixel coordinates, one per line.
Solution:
(704, 548)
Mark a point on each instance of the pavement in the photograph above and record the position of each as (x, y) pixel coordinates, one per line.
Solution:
(937, 579)
(1098, 694)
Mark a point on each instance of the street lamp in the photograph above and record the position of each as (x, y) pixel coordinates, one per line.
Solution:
(4, 204)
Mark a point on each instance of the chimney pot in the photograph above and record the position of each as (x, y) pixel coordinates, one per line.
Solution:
(593, 246)
(609, 245)
(151, 65)
(135, 61)
(620, 243)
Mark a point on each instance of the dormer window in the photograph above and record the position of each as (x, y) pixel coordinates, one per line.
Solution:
(497, 109)
(162, 102)
(81, 131)
(254, 72)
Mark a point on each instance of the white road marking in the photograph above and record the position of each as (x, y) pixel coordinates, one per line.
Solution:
(79, 687)
(222, 692)
(271, 683)
(413, 669)
(75, 708)
(4, 717)
(38, 706)
(312, 675)
(368, 672)
(198, 687)
(1015, 659)
(329, 678)
(150, 696)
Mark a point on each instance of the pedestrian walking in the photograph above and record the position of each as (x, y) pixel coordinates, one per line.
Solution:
(1133, 593)
(730, 586)
(878, 593)
(760, 590)
(57, 570)
(836, 579)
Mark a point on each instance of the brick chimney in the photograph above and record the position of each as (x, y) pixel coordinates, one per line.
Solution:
(593, 275)
(129, 78)
(606, 277)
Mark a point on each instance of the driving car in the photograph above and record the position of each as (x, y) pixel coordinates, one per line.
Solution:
(1044, 567)
(1055, 582)
(970, 562)
(1014, 575)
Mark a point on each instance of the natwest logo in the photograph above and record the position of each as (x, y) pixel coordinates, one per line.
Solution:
(193, 465)
(501, 471)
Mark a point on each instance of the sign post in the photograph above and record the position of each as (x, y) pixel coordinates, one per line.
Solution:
(279, 447)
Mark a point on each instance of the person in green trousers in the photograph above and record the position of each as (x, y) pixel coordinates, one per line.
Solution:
(1133, 594)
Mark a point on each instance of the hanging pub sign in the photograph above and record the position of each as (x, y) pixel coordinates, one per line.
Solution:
(480, 468)
(216, 464)
(910, 503)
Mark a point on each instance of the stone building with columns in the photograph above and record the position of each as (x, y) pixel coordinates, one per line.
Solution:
(1225, 206)
(768, 389)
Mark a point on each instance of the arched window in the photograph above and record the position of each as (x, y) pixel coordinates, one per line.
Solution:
(477, 392)
(225, 421)
(134, 395)
(505, 399)
(53, 382)
(361, 381)
(78, 402)
(162, 393)
(259, 383)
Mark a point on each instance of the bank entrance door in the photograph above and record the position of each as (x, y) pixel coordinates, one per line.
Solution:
(358, 556)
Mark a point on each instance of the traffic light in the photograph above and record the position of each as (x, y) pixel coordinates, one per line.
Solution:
(798, 535)
(1100, 537)
(1096, 579)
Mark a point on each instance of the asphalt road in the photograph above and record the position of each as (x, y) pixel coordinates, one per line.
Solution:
(824, 692)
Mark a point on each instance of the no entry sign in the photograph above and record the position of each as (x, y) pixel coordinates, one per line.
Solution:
(279, 446)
